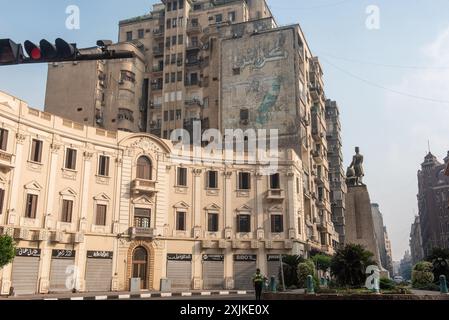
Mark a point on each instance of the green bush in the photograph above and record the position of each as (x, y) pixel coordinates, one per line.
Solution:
(422, 275)
(387, 284)
(304, 270)
(7, 250)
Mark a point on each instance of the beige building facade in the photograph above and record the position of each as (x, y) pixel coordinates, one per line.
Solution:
(90, 209)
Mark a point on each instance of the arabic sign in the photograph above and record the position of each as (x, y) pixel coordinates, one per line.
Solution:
(100, 254)
(213, 257)
(28, 252)
(245, 257)
(63, 254)
(179, 257)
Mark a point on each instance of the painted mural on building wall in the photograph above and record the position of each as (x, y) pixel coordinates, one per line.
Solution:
(258, 75)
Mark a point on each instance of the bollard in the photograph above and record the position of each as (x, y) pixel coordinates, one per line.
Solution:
(443, 285)
(310, 285)
(273, 284)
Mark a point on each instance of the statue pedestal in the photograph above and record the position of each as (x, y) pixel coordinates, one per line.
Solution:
(359, 226)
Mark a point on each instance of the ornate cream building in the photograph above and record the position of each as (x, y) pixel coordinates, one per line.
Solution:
(91, 209)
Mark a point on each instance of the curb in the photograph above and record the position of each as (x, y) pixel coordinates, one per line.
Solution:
(155, 295)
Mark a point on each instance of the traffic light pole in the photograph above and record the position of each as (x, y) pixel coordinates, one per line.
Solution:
(108, 55)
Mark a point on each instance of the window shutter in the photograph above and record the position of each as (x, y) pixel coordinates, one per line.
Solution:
(4, 140)
(101, 215)
(2, 199)
(33, 206)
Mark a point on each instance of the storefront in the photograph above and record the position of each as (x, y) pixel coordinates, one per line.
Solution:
(99, 271)
(25, 271)
(62, 271)
(245, 266)
(273, 266)
(179, 271)
(213, 271)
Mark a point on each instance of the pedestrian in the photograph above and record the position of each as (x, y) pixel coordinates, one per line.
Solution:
(258, 281)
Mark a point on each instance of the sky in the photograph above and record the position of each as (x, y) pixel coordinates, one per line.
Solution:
(390, 77)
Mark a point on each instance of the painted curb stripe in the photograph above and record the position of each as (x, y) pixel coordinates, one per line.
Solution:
(165, 295)
(186, 294)
(205, 293)
(145, 295)
(77, 298)
(101, 297)
(124, 296)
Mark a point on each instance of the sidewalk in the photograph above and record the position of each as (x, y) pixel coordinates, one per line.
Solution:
(126, 295)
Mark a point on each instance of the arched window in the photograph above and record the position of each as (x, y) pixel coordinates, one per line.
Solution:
(144, 168)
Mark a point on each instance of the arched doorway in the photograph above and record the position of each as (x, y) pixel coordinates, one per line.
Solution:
(140, 266)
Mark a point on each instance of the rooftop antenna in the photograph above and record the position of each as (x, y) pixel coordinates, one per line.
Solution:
(428, 144)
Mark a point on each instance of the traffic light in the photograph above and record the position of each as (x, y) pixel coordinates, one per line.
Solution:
(60, 51)
(10, 52)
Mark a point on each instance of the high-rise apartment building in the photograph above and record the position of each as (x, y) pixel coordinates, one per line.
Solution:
(337, 176)
(224, 64)
(433, 195)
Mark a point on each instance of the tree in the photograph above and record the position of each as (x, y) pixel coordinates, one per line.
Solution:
(322, 262)
(440, 262)
(305, 269)
(349, 265)
(290, 266)
(422, 275)
(7, 250)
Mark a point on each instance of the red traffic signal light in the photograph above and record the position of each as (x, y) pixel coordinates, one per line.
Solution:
(10, 52)
(33, 51)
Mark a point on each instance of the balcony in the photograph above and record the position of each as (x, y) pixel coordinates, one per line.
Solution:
(157, 70)
(157, 86)
(157, 51)
(141, 233)
(158, 33)
(140, 186)
(193, 28)
(155, 105)
(192, 82)
(6, 160)
(193, 46)
(316, 91)
(276, 194)
(192, 63)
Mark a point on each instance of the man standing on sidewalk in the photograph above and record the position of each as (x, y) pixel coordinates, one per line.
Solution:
(258, 281)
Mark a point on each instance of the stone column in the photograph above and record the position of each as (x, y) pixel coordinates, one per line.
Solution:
(117, 227)
(197, 230)
(259, 195)
(16, 190)
(291, 209)
(228, 212)
(81, 253)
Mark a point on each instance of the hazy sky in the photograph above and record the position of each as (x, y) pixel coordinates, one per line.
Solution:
(392, 83)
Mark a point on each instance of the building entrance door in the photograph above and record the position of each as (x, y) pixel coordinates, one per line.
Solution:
(140, 266)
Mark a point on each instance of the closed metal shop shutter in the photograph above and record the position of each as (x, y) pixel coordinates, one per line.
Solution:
(273, 268)
(213, 275)
(60, 270)
(25, 274)
(243, 273)
(98, 274)
(180, 274)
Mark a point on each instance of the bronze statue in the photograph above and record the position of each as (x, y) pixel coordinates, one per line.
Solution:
(355, 172)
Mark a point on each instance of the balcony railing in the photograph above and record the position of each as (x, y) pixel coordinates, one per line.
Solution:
(193, 28)
(276, 194)
(157, 51)
(143, 186)
(6, 160)
(141, 233)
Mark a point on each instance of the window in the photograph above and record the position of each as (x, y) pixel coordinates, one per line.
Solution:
(70, 159)
(298, 186)
(173, 77)
(101, 215)
(178, 114)
(275, 183)
(173, 40)
(167, 42)
(165, 115)
(141, 33)
(129, 36)
(36, 151)
(194, 22)
(167, 59)
(243, 223)
(182, 177)
(180, 39)
(142, 218)
(181, 4)
(167, 78)
(212, 179)
(212, 222)
(299, 225)
(172, 115)
(174, 23)
(31, 206)
(244, 114)
(235, 71)
(168, 23)
(277, 223)
(168, 6)
(244, 181)
(181, 221)
(173, 58)
(2, 200)
(144, 168)
(180, 59)
(231, 16)
(67, 209)
(175, 5)
(103, 166)
(218, 18)
(3, 139)
(179, 76)
(127, 76)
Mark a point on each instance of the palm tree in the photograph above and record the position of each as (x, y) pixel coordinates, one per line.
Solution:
(349, 265)
(290, 266)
